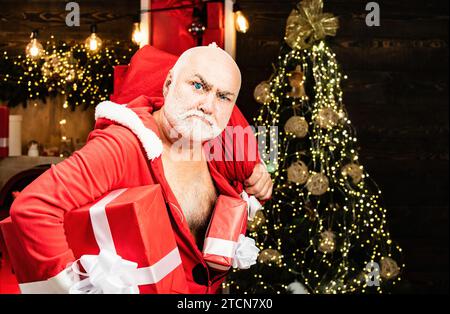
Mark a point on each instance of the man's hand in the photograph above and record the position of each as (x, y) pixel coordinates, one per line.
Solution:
(259, 183)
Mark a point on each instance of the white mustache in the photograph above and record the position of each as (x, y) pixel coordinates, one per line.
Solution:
(198, 114)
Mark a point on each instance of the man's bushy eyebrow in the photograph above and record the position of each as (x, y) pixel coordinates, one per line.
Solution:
(204, 82)
(208, 85)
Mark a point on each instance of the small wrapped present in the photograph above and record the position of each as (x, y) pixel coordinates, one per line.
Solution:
(225, 242)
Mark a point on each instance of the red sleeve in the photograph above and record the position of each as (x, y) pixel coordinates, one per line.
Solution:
(38, 212)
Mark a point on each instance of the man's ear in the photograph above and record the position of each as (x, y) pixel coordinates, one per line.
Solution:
(167, 82)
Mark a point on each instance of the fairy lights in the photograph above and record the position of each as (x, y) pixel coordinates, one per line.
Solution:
(83, 78)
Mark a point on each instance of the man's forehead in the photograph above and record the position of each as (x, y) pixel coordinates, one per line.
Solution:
(209, 75)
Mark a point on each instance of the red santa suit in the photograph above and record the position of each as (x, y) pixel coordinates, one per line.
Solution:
(124, 150)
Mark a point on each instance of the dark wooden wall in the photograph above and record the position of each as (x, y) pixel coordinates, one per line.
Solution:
(397, 98)
(19, 17)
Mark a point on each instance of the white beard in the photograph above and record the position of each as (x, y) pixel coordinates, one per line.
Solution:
(191, 126)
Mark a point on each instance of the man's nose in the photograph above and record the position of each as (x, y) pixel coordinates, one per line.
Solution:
(207, 105)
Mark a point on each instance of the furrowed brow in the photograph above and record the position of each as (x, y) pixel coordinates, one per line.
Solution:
(225, 93)
(209, 86)
(204, 82)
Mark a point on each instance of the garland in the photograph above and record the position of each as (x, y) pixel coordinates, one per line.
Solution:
(83, 77)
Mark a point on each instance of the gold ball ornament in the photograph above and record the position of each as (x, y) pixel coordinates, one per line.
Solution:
(257, 222)
(298, 172)
(296, 125)
(262, 92)
(389, 268)
(327, 118)
(354, 171)
(269, 256)
(327, 242)
(317, 184)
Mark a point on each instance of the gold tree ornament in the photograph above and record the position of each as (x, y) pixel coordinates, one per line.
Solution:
(269, 256)
(327, 242)
(327, 118)
(317, 184)
(354, 171)
(296, 81)
(298, 172)
(307, 24)
(262, 92)
(257, 222)
(296, 125)
(389, 268)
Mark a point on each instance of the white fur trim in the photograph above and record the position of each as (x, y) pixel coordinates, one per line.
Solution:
(127, 117)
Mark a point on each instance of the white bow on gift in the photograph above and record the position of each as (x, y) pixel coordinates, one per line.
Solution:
(106, 273)
(246, 253)
(252, 203)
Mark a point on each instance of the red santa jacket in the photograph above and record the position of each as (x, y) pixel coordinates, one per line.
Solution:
(124, 150)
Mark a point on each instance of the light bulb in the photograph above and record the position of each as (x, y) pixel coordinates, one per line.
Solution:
(137, 35)
(93, 43)
(34, 49)
(241, 22)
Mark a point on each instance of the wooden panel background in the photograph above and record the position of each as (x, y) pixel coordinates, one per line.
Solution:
(397, 98)
(19, 17)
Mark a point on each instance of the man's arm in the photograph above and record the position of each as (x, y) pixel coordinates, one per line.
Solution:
(38, 212)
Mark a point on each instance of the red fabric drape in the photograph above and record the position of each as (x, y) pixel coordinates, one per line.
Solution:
(169, 29)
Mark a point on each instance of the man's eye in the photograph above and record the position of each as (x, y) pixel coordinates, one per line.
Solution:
(222, 97)
(198, 85)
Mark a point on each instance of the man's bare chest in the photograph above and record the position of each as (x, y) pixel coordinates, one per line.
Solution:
(195, 192)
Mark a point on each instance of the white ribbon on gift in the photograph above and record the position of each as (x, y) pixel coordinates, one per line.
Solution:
(107, 272)
(243, 252)
(253, 204)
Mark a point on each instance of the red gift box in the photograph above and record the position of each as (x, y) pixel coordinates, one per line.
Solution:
(134, 224)
(123, 241)
(4, 131)
(228, 222)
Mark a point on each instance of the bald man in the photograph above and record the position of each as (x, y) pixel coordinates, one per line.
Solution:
(132, 145)
(199, 94)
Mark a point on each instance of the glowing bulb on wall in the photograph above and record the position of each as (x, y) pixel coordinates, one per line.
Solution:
(34, 49)
(93, 43)
(240, 21)
(137, 35)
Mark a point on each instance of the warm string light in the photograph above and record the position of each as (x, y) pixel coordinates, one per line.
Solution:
(137, 36)
(93, 43)
(240, 20)
(242, 24)
(34, 49)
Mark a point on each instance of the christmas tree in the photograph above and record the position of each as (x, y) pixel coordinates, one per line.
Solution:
(324, 230)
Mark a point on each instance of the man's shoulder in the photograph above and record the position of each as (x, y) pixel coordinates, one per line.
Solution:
(119, 135)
